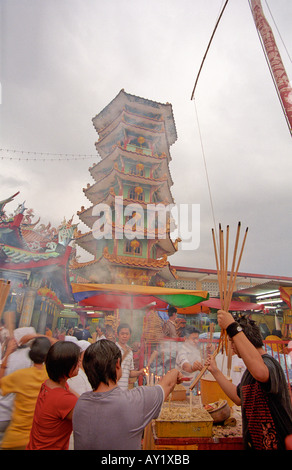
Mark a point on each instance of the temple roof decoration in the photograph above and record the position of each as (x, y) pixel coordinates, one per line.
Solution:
(49, 293)
(28, 245)
(133, 261)
(16, 255)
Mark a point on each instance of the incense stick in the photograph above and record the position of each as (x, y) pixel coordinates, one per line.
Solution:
(230, 291)
(217, 266)
(200, 375)
(222, 268)
(236, 272)
(229, 359)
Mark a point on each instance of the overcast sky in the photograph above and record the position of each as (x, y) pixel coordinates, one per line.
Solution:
(63, 61)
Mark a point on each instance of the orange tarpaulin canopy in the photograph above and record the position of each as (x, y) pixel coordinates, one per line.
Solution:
(194, 309)
(204, 307)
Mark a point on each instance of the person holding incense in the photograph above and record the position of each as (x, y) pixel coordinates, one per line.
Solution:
(188, 359)
(117, 417)
(124, 333)
(169, 328)
(263, 391)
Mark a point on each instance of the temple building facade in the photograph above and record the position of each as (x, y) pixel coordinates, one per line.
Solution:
(128, 218)
(34, 259)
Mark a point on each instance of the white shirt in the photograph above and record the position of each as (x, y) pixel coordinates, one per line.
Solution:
(187, 353)
(100, 337)
(80, 383)
(127, 366)
(237, 367)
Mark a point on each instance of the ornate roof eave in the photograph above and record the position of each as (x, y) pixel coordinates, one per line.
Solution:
(168, 273)
(159, 235)
(85, 215)
(128, 125)
(100, 270)
(168, 199)
(109, 113)
(87, 242)
(108, 180)
(120, 151)
(75, 265)
(102, 145)
(14, 222)
(28, 226)
(29, 236)
(14, 226)
(168, 245)
(166, 192)
(130, 177)
(135, 261)
(123, 261)
(21, 259)
(121, 117)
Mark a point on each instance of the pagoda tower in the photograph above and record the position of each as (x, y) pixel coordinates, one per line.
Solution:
(129, 217)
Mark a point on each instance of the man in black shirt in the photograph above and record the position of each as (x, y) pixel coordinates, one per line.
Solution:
(78, 332)
(82, 333)
(86, 333)
(263, 391)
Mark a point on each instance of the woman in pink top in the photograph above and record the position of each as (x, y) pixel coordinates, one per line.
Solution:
(52, 423)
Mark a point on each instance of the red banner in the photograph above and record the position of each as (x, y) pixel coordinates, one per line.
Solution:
(274, 58)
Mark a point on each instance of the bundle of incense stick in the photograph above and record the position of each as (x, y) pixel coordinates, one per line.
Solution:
(226, 287)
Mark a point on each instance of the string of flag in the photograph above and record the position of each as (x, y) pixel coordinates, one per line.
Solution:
(26, 155)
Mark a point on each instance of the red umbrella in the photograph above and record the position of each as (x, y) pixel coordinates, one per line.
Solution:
(119, 300)
(234, 305)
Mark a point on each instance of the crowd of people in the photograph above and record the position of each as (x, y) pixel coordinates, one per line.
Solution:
(65, 392)
(44, 377)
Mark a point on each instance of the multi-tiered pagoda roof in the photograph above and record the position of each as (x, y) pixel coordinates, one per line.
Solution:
(135, 135)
